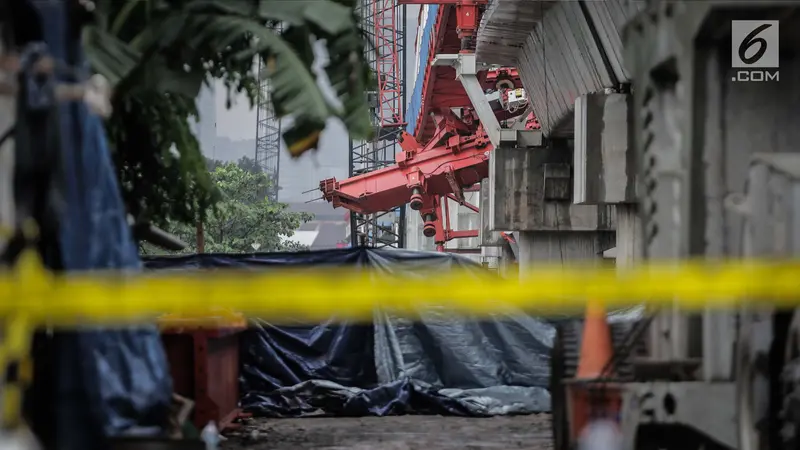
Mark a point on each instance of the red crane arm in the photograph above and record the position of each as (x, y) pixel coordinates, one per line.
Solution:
(455, 158)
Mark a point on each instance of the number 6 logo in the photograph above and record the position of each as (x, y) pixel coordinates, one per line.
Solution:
(754, 44)
(751, 40)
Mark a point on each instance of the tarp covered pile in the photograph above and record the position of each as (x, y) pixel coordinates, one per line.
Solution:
(441, 364)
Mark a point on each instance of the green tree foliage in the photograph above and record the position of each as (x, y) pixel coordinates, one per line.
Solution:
(242, 217)
(158, 53)
(248, 164)
(245, 163)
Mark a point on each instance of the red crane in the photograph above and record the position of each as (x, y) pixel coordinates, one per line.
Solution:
(447, 155)
(387, 66)
(456, 157)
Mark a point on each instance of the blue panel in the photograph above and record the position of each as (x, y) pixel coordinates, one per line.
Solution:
(415, 106)
(110, 381)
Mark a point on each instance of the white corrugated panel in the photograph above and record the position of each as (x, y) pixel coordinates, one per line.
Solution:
(303, 237)
(423, 19)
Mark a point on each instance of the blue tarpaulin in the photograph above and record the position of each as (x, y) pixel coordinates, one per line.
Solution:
(106, 382)
(439, 364)
(415, 105)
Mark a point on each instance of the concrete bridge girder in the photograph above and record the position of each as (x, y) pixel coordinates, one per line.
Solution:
(529, 186)
(563, 49)
(568, 53)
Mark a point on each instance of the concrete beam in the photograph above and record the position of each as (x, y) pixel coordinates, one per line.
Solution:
(521, 138)
(604, 158)
(629, 250)
(561, 247)
(569, 48)
(530, 190)
(488, 237)
(505, 26)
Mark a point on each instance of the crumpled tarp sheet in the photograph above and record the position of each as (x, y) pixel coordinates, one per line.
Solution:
(440, 364)
(107, 382)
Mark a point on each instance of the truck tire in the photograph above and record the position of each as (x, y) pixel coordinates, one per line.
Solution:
(564, 358)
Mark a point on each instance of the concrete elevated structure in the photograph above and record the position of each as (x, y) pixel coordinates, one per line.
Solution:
(567, 190)
(573, 196)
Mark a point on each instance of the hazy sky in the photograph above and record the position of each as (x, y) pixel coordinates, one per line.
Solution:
(239, 124)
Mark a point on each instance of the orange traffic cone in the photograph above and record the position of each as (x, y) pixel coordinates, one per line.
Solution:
(596, 346)
(586, 398)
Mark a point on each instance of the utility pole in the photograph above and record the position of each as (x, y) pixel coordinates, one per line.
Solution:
(201, 238)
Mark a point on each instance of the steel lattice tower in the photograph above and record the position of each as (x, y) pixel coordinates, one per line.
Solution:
(384, 25)
(268, 132)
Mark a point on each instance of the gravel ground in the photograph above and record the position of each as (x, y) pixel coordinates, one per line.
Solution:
(393, 433)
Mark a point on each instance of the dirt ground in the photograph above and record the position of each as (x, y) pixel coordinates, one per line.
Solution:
(393, 433)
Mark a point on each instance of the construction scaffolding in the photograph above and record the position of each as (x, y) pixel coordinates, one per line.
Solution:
(268, 133)
(384, 25)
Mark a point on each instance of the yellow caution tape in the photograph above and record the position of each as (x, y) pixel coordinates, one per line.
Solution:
(315, 294)
(17, 367)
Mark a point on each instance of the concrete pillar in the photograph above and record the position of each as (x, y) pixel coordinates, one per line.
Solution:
(629, 248)
(508, 266)
(491, 242)
(490, 258)
(605, 166)
(532, 194)
(604, 160)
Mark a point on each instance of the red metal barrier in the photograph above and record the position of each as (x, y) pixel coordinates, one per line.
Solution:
(204, 364)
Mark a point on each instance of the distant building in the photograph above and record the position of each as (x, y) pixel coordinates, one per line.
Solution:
(206, 127)
(329, 229)
(305, 238)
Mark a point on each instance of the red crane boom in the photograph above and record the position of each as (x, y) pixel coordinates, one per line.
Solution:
(454, 153)
(456, 157)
